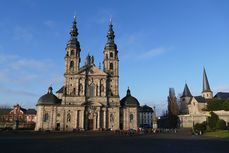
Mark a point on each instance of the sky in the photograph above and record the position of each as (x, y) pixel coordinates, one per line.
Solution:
(161, 44)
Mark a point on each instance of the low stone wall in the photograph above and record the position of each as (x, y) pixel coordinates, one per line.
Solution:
(20, 125)
(189, 120)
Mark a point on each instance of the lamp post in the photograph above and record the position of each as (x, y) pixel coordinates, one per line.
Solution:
(207, 120)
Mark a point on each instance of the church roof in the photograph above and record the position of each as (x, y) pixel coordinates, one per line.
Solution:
(206, 86)
(31, 111)
(129, 100)
(61, 90)
(145, 108)
(222, 95)
(186, 92)
(48, 99)
(201, 99)
(85, 67)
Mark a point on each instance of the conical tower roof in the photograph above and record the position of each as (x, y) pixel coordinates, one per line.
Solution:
(206, 86)
(186, 92)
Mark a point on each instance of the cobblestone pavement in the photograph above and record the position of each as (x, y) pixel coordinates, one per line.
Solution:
(107, 142)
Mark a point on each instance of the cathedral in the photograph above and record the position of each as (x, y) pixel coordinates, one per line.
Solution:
(89, 98)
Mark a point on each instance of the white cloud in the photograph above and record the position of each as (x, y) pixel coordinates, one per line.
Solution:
(30, 63)
(224, 88)
(6, 58)
(145, 55)
(7, 91)
(16, 70)
(102, 16)
(49, 23)
(22, 33)
(151, 53)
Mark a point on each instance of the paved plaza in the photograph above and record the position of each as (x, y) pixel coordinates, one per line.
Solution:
(87, 142)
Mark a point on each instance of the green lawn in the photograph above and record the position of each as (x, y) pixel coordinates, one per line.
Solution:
(218, 133)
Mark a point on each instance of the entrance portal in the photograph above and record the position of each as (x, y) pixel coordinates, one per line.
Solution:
(57, 126)
(90, 124)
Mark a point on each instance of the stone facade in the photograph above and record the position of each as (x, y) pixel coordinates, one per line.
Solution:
(89, 99)
(146, 116)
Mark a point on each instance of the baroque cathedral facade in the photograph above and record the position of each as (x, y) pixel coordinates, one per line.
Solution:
(89, 98)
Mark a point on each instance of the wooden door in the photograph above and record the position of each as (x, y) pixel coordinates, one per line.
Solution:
(90, 124)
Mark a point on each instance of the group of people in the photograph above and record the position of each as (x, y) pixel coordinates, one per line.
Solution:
(143, 131)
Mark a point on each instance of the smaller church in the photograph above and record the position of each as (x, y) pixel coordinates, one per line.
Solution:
(193, 109)
(89, 98)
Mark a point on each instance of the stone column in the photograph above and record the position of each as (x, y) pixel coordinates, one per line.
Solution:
(54, 119)
(77, 86)
(63, 126)
(82, 119)
(76, 119)
(136, 119)
(42, 117)
(124, 119)
(95, 118)
(98, 119)
(105, 119)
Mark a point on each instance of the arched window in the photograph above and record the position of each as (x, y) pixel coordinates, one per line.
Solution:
(111, 54)
(72, 52)
(91, 91)
(106, 56)
(131, 118)
(46, 117)
(101, 88)
(68, 117)
(111, 66)
(74, 91)
(71, 64)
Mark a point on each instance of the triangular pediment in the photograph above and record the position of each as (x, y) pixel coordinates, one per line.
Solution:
(93, 70)
(96, 71)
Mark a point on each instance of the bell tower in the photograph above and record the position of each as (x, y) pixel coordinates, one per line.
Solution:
(72, 62)
(110, 63)
(206, 93)
(72, 58)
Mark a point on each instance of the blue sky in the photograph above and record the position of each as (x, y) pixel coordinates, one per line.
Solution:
(161, 44)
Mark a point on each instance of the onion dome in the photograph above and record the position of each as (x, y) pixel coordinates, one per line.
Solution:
(129, 101)
(73, 42)
(49, 98)
(110, 45)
